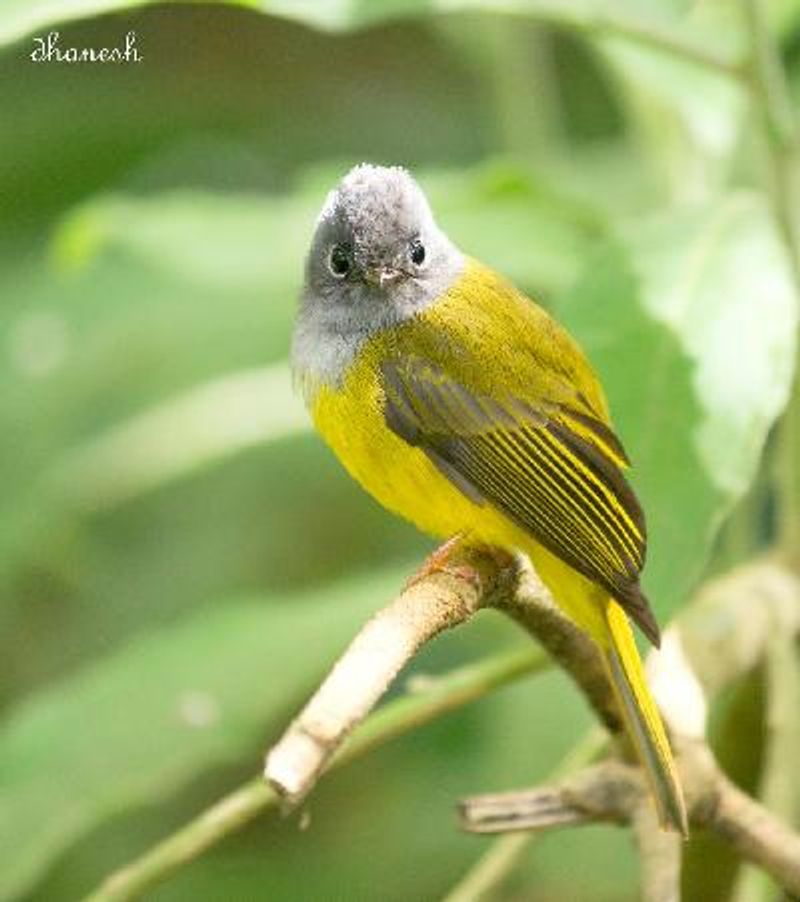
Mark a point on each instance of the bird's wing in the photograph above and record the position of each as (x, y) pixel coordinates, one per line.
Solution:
(554, 470)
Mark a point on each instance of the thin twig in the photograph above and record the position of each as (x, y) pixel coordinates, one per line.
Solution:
(240, 807)
(229, 814)
(499, 859)
(491, 868)
(608, 791)
(547, 807)
(438, 601)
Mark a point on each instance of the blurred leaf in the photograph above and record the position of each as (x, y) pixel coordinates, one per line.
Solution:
(181, 435)
(784, 16)
(691, 320)
(198, 287)
(136, 727)
(253, 107)
(688, 120)
(719, 278)
(229, 241)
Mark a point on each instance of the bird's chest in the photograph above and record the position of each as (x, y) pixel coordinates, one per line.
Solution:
(351, 420)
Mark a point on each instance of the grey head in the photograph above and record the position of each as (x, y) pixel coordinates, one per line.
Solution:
(377, 258)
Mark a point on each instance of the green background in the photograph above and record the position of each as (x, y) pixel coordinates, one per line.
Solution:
(180, 557)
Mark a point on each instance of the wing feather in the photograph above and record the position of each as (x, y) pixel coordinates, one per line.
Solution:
(554, 470)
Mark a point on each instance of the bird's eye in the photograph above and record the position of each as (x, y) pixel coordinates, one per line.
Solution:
(340, 261)
(416, 250)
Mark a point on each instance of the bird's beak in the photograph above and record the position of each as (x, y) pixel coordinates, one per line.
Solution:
(381, 276)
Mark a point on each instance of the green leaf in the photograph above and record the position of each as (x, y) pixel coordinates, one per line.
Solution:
(690, 318)
(178, 437)
(718, 277)
(139, 725)
(688, 119)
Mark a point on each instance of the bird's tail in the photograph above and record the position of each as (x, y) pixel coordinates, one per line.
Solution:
(642, 719)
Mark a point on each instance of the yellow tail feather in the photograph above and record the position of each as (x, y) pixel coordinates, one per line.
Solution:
(642, 719)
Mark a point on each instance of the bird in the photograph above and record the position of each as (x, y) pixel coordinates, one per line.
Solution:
(461, 405)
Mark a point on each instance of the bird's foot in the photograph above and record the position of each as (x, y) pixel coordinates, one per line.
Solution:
(440, 561)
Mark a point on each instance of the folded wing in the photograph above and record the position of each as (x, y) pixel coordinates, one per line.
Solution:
(553, 469)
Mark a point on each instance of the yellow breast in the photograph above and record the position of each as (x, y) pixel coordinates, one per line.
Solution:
(399, 476)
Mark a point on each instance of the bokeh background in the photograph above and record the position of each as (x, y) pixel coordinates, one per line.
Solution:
(181, 558)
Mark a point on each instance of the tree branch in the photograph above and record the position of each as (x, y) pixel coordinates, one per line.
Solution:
(533, 608)
(437, 601)
(605, 791)
(757, 835)
(473, 580)
(660, 854)
(243, 805)
(440, 600)
(727, 631)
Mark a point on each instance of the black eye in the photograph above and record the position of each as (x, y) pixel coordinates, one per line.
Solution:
(416, 250)
(340, 262)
